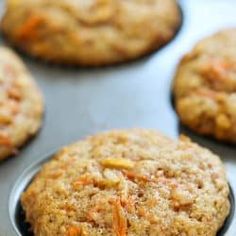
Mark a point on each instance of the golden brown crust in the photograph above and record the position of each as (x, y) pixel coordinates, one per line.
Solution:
(21, 104)
(126, 183)
(205, 87)
(92, 33)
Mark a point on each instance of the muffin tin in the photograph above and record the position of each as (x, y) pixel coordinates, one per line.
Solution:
(17, 214)
(82, 101)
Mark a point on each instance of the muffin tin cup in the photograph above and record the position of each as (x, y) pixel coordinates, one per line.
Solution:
(17, 214)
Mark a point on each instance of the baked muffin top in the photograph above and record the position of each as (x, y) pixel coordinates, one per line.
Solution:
(129, 182)
(21, 104)
(93, 32)
(205, 86)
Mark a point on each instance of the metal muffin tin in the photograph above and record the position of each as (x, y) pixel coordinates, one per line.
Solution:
(17, 214)
(83, 101)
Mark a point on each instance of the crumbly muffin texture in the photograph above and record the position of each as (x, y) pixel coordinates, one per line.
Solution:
(205, 87)
(92, 32)
(21, 104)
(129, 182)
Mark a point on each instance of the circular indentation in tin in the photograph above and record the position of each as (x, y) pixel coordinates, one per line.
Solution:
(230, 217)
(17, 214)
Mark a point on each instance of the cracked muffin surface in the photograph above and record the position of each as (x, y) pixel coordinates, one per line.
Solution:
(90, 33)
(129, 182)
(205, 87)
(21, 104)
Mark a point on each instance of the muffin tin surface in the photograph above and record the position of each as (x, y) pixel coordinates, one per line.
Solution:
(82, 101)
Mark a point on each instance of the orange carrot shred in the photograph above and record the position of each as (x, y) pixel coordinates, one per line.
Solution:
(5, 140)
(207, 93)
(132, 175)
(216, 70)
(119, 219)
(83, 180)
(29, 29)
(74, 231)
(129, 204)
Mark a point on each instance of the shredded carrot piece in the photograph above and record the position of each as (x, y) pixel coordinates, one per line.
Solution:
(29, 29)
(5, 140)
(5, 119)
(142, 212)
(222, 66)
(68, 208)
(217, 70)
(129, 204)
(207, 93)
(83, 180)
(88, 180)
(119, 219)
(132, 175)
(74, 231)
(14, 93)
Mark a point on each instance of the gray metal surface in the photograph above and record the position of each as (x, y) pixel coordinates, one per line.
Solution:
(80, 102)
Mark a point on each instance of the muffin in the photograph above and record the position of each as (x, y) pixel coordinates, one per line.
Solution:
(205, 87)
(90, 33)
(21, 104)
(130, 182)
